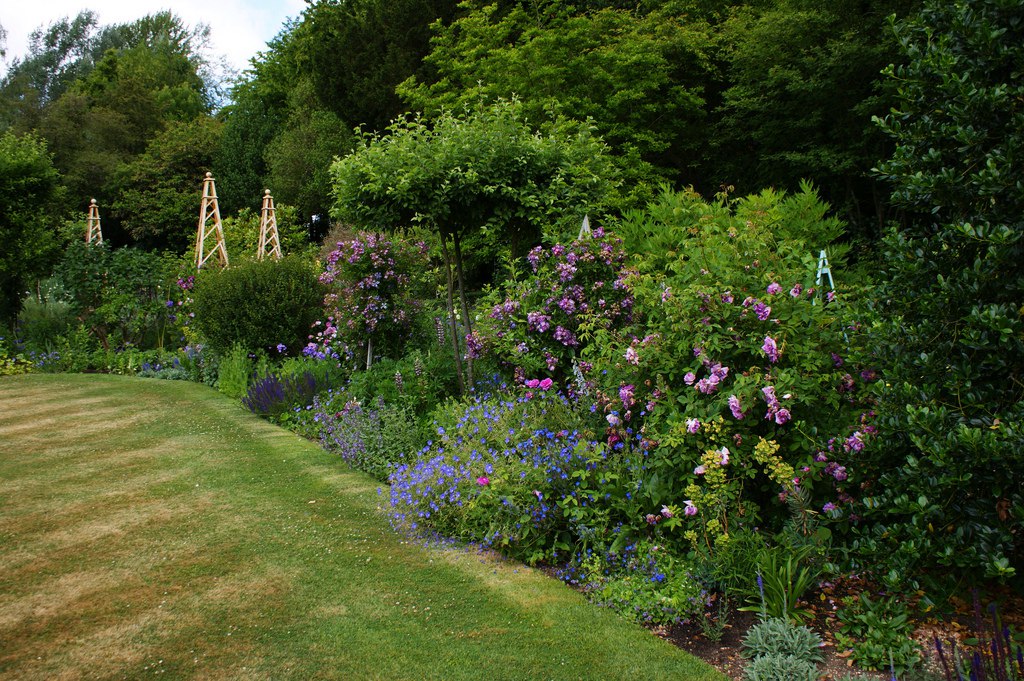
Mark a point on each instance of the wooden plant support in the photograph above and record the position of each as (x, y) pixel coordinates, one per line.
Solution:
(93, 233)
(210, 227)
(270, 241)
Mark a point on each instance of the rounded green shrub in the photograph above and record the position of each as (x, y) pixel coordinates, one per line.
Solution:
(259, 305)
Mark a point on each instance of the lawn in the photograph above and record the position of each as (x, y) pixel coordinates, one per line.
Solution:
(154, 528)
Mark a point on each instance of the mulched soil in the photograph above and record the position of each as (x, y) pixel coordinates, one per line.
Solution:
(725, 654)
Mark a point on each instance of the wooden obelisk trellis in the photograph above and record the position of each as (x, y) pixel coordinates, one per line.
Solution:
(210, 228)
(270, 242)
(93, 233)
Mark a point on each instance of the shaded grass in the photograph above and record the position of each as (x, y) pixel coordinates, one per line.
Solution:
(154, 527)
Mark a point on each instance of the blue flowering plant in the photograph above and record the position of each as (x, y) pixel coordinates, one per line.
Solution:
(522, 473)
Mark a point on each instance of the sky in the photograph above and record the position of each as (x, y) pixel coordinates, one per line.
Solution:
(238, 28)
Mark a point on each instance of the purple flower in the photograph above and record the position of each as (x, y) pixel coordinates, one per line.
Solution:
(762, 311)
(632, 357)
(771, 349)
(281, 347)
(474, 345)
(613, 420)
(534, 257)
(689, 378)
(830, 296)
(538, 322)
(532, 383)
(796, 290)
(666, 294)
(782, 416)
(700, 470)
(690, 508)
(727, 298)
(483, 481)
(828, 507)
(666, 512)
(652, 519)
(723, 456)
(565, 336)
(545, 384)
(626, 395)
(734, 406)
(773, 288)
(837, 361)
(692, 426)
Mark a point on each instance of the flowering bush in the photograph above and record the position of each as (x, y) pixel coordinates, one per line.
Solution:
(741, 385)
(542, 322)
(369, 300)
(521, 474)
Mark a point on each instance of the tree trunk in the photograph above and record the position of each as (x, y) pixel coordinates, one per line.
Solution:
(462, 301)
(451, 312)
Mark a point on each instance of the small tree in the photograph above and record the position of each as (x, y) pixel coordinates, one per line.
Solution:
(485, 170)
(950, 485)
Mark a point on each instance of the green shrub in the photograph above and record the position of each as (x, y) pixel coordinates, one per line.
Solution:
(781, 668)
(879, 632)
(259, 305)
(237, 369)
(43, 318)
(739, 364)
(12, 364)
(779, 637)
(947, 492)
(643, 582)
(119, 295)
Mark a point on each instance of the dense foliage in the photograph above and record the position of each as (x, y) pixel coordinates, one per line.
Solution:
(29, 195)
(676, 409)
(953, 336)
(259, 305)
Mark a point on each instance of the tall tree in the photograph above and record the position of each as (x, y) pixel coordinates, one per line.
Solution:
(641, 74)
(950, 472)
(30, 198)
(357, 51)
(803, 83)
(259, 109)
(158, 191)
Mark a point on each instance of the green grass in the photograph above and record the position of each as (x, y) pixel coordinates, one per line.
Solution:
(154, 528)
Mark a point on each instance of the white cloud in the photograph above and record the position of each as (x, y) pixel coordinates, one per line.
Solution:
(238, 28)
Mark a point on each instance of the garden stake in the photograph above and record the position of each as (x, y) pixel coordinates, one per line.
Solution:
(209, 212)
(93, 233)
(270, 242)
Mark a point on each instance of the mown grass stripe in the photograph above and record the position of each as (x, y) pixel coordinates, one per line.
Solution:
(151, 527)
